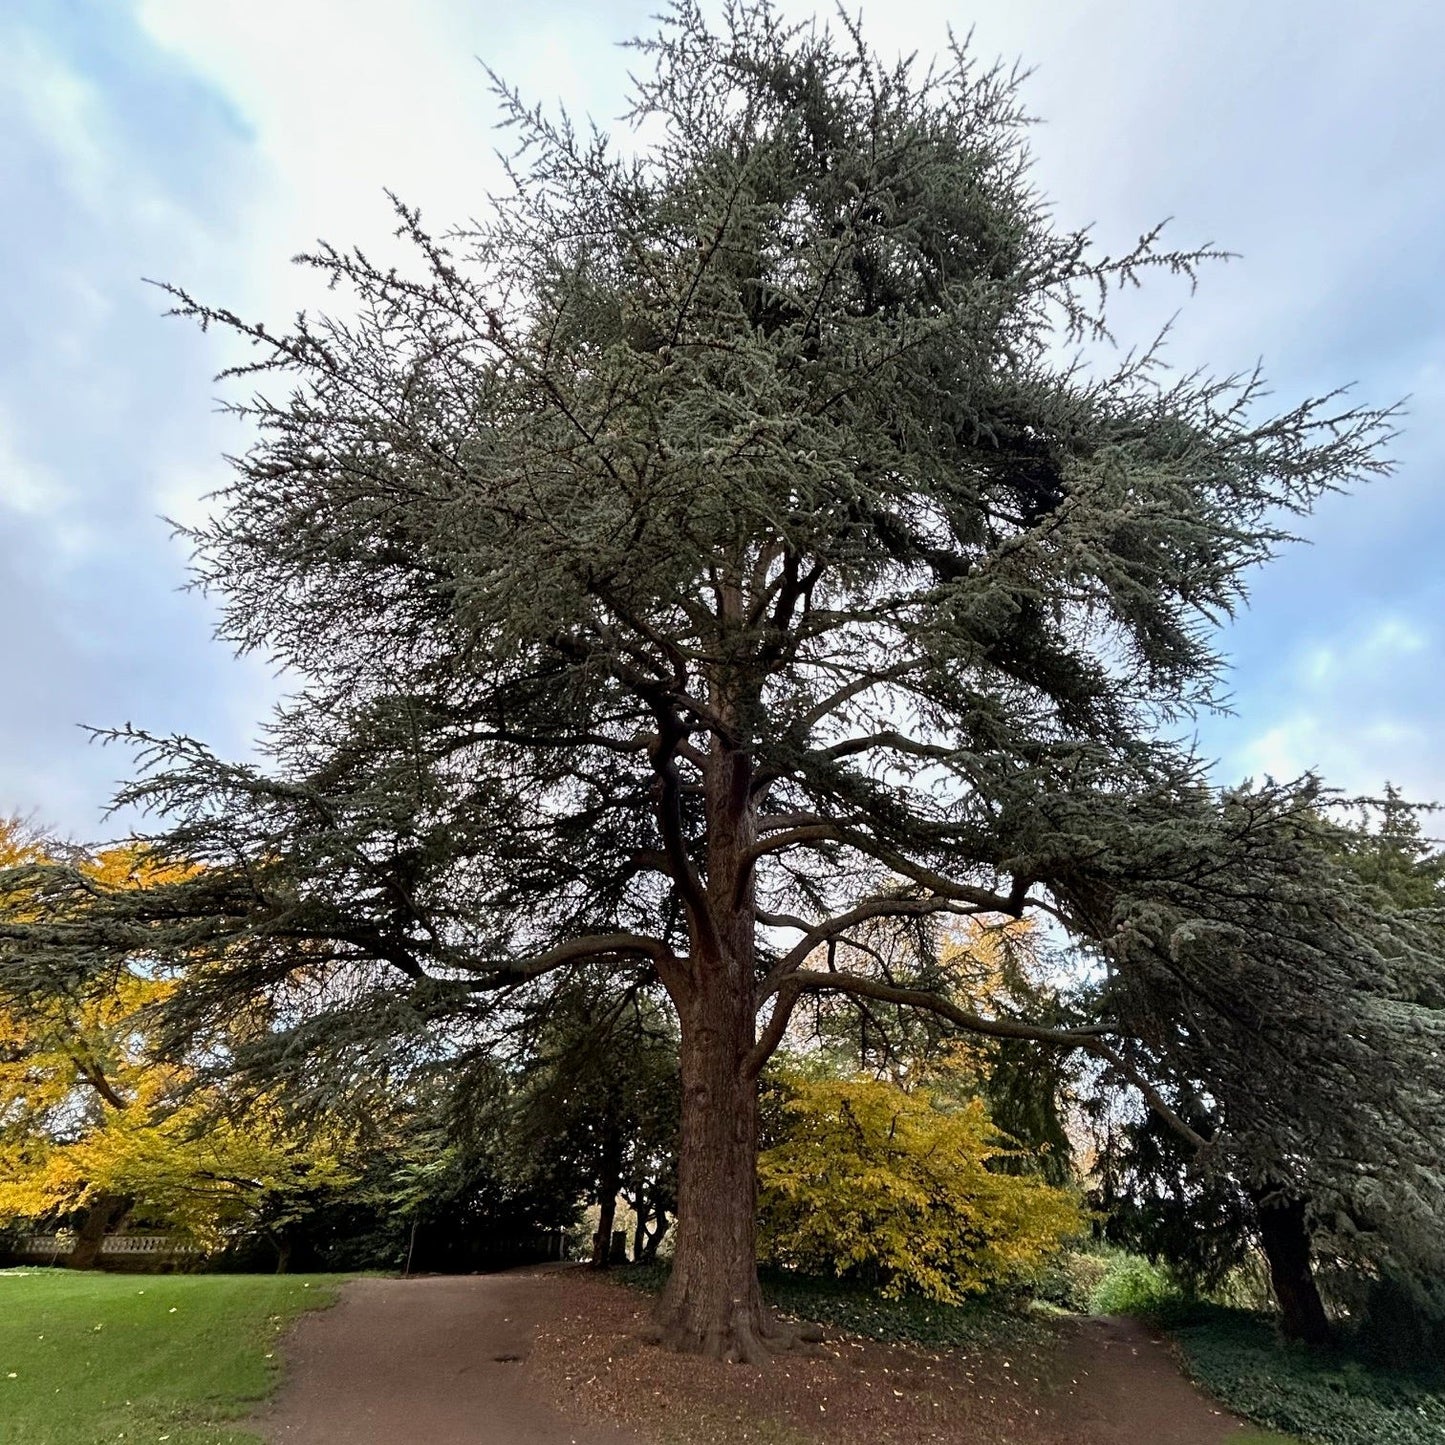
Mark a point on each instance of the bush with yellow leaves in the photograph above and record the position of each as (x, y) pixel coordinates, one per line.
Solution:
(876, 1183)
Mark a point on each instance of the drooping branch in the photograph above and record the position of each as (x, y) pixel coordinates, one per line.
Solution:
(1092, 1039)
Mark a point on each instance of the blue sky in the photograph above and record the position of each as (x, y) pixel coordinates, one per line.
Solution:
(207, 142)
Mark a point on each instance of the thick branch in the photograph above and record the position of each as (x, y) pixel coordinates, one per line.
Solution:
(1000, 1028)
(669, 815)
(600, 945)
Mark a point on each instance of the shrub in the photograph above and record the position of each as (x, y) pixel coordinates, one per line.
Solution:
(872, 1183)
(1070, 1281)
(1132, 1285)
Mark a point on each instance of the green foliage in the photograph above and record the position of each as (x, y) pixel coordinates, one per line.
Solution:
(1070, 1280)
(883, 1185)
(1155, 1199)
(1132, 1285)
(1329, 1399)
(89, 1359)
(1377, 1231)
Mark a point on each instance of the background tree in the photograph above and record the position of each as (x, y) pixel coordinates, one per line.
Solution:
(592, 1099)
(999, 970)
(709, 553)
(95, 1130)
(1204, 1212)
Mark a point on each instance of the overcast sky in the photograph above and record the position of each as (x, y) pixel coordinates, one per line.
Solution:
(206, 142)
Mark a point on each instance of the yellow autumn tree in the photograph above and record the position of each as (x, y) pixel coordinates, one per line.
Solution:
(877, 1183)
(96, 1129)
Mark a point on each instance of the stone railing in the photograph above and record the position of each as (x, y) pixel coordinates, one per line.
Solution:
(54, 1246)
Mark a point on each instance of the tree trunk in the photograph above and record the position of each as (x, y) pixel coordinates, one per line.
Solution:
(712, 1304)
(608, 1183)
(104, 1213)
(654, 1239)
(641, 1211)
(1285, 1238)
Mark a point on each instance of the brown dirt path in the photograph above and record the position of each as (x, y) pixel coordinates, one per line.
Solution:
(1125, 1388)
(432, 1361)
(1091, 1382)
(551, 1357)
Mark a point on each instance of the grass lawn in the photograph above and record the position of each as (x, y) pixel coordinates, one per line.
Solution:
(86, 1358)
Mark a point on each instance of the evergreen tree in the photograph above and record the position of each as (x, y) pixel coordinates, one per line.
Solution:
(709, 553)
(1365, 1200)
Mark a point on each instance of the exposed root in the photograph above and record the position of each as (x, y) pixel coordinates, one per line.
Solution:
(752, 1335)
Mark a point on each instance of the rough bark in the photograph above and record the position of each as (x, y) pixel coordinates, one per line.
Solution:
(1285, 1238)
(712, 1304)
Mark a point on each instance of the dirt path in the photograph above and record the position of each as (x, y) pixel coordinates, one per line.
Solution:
(552, 1357)
(1092, 1382)
(1124, 1388)
(435, 1361)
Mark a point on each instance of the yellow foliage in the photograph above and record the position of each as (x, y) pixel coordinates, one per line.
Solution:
(196, 1174)
(87, 1112)
(879, 1183)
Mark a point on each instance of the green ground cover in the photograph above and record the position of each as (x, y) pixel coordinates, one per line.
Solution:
(1328, 1398)
(910, 1320)
(858, 1310)
(86, 1358)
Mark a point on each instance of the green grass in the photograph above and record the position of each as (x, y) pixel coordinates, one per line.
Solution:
(1328, 1398)
(86, 1358)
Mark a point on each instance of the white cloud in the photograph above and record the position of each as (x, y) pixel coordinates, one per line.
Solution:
(360, 97)
(1342, 710)
(63, 107)
(25, 487)
(31, 491)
